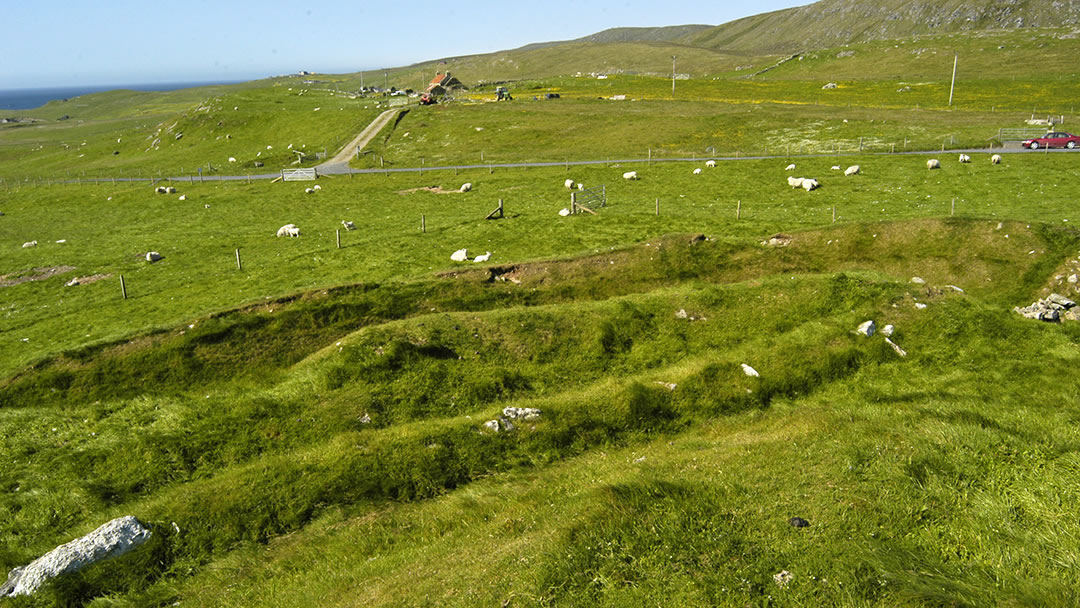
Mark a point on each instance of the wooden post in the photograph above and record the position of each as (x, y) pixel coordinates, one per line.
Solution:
(489, 169)
(834, 214)
(952, 209)
(239, 266)
(892, 150)
(657, 207)
(423, 223)
(860, 144)
(573, 203)
(421, 166)
(650, 157)
(568, 164)
(123, 287)
(738, 209)
(338, 234)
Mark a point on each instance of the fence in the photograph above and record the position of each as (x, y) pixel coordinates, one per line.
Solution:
(1020, 134)
(298, 175)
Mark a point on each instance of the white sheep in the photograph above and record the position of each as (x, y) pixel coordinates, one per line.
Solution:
(183, 197)
(465, 187)
(852, 170)
(790, 167)
(809, 184)
(795, 182)
(460, 255)
(697, 171)
(309, 190)
(160, 190)
(933, 163)
(288, 230)
(482, 258)
(710, 163)
(232, 159)
(964, 158)
(348, 225)
(170, 190)
(569, 184)
(152, 256)
(836, 167)
(29, 244)
(995, 159)
(580, 186)
(630, 175)
(316, 187)
(564, 212)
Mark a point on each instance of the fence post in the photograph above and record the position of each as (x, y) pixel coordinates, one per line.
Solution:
(834, 214)
(738, 210)
(423, 224)
(650, 157)
(123, 288)
(338, 236)
(952, 209)
(658, 207)
(239, 266)
(573, 203)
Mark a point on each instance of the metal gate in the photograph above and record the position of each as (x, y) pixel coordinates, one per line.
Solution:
(589, 198)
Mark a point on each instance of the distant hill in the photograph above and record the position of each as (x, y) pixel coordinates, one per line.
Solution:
(829, 23)
(630, 34)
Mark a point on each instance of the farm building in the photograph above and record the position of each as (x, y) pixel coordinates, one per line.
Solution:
(441, 84)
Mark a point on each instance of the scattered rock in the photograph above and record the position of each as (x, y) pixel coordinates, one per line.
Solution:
(1072, 279)
(887, 330)
(896, 347)
(904, 89)
(668, 385)
(499, 425)
(749, 371)
(112, 539)
(798, 522)
(681, 314)
(1051, 309)
(867, 328)
(920, 305)
(777, 240)
(843, 54)
(564, 212)
(918, 280)
(831, 85)
(521, 413)
(365, 419)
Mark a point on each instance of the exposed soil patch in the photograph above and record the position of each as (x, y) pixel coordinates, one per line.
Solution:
(34, 274)
(87, 280)
(434, 189)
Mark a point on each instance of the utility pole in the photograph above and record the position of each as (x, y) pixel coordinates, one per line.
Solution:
(956, 57)
(673, 75)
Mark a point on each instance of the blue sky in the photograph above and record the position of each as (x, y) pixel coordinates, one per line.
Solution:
(75, 43)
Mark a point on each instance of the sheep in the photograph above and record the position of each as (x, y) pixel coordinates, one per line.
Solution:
(289, 230)
(630, 175)
(232, 159)
(170, 190)
(852, 170)
(316, 187)
(309, 190)
(460, 255)
(790, 167)
(995, 159)
(183, 197)
(836, 167)
(580, 186)
(697, 171)
(465, 187)
(795, 182)
(29, 244)
(933, 164)
(964, 158)
(482, 258)
(809, 184)
(569, 184)
(710, 163)
(152, 256)
(348, 225)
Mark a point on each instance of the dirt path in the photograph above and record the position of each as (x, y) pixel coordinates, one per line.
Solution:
(342, 158)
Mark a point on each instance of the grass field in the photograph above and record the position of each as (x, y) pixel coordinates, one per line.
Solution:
(307, 430)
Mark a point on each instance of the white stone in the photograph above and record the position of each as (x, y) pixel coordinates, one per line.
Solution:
(112, 539)
(899, 351)
(920, 305)
(918, 280)
(887, 330)
(867, 328)
(523, 413)
(152, 256)
(1072, 278)
(564, 212)
(749, 371)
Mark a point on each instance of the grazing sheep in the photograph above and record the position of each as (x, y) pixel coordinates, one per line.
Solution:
(309, 190)
(316, 187)
(852, 170)
(30, 244)
(564, 212)
(465, 187)
(288, 230)
(160, 190)
(795, 182)
(348, 225)
(170, 190)
(232, 159)
(933, 164)
(580, 186)
(460, 255)
(152, 256)
(809, 184)
(630, 175)
(482, 258)
(710, 163)
(790, 167)
(995, 159)
(697, 171)
(569, 184)
(964, 158)
(183, 197)
(836, 167)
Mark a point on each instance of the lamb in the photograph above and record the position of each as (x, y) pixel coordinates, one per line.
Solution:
(465, 187)
(809, 184)
(933, 164)
(964, 158)
(697, 171)
(836, 167)
(790, 167)
(29, 244)
(852, 170)
(710, 163)
(288, 230)
(795, 182)
(995, 159)
(316, 187)
(630, 175)
(482, 258)
(569, 184)
(460, 255)
(348, 225)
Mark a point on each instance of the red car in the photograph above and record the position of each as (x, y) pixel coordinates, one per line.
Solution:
(1053, 140)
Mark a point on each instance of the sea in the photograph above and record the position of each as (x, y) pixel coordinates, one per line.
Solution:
(28, 99)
